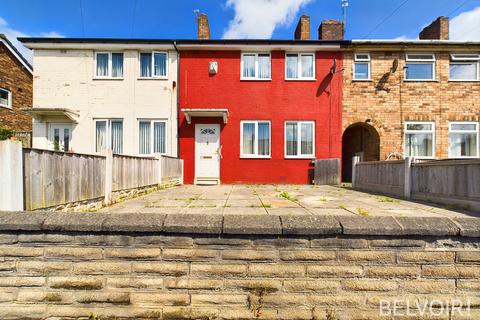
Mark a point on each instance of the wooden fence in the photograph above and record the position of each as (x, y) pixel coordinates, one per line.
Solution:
(52, 178)
(327, 172)
(47, 179)
(451, 182)
(380, 176)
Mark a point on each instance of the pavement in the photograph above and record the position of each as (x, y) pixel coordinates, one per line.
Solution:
(280, 200)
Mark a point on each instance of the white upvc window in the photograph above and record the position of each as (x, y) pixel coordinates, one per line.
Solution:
(109, 135)
(300, 66)
(256, 66)
(420, 140)
(59, 136)
(5, 98)
(109, 64)
(464, 67)
(463, 140)
(255, 139)
(420, 67)
(152, 136)
(154, 65)
(300, 139)
(361, 67)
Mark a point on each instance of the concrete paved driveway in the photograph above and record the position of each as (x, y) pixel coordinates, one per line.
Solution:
(277, 200)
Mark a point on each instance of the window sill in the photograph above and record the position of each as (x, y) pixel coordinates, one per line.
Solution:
(254, 157)
(301, 79)
(462, 157)
(420, 80)
(108, 78)
(362, 80)
(255, 79)
(152, 78)
(300, 157)
(6, 107)
(453, 80)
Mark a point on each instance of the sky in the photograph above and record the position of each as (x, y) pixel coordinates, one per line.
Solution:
(253, 19)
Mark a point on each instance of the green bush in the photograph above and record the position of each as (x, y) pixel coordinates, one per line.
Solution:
(5, 133)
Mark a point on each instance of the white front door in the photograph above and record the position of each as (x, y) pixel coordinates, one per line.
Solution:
(59, 136)
(207, 153)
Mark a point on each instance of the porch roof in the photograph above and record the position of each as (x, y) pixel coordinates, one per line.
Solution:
(198, 112)
(41, 113)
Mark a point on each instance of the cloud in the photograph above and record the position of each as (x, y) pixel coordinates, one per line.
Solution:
(466, 26)
(13, 34)
(257, 19)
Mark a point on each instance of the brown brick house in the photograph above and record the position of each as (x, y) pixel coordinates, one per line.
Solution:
(411, 98)
(16, 81)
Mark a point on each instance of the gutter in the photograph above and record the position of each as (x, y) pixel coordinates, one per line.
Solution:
(178, 98)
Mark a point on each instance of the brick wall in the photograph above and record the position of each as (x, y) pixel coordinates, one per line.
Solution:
(115, 275)
(386, 104)
(15, 78)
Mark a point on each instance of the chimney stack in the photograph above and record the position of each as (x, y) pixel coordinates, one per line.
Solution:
(330, 30)
(203, 27)
(302, 32)
(437, 30)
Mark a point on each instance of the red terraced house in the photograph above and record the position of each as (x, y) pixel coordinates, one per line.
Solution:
(259, 111)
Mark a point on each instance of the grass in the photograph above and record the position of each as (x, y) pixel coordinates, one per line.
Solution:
(323, 199)
(287, 196)
(362, 212)
(342, 206)
(386, 199)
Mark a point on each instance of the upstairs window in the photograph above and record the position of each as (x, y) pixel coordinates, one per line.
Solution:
(420, 67)
(256, 66)
(5, 98)
(255, 139)
(420, 139)
(361, 67)
(153, 65)
(464, 67)
(109, 64)
(463, 140)
(300, 66)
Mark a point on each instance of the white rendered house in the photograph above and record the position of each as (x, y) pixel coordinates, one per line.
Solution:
(94, 94)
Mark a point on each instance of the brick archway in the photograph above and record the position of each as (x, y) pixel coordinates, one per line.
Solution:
(359, 139)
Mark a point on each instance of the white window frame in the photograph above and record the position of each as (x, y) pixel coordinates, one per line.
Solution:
(360, 60)
(299, 140)
(152, 61)
(477, 131)
(50, 135)
(255, 143)
(432, 61)
(299, 66)
(9, 102)
(256, 78)
(468, 58)
(405, 132)
(152, 122)
(109, 70)
(109, 133)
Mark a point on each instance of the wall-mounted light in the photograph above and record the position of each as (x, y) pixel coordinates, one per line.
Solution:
(213, 67)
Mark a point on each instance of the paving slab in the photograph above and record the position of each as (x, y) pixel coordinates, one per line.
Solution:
(310, 225)
(235, 224)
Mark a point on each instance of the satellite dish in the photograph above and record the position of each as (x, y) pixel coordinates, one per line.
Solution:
(394, 67)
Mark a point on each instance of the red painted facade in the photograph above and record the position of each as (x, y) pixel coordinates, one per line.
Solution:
(277, 100)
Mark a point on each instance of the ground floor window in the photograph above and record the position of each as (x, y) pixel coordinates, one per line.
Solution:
(299, 139)
(109, 135)
(152, 136)
(420, 139)
(463, 140)
(255, 139)
(59, 136)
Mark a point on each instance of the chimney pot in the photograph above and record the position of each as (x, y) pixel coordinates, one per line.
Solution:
(203, 27)
(330, 30)
(302, 32)
(437, 30)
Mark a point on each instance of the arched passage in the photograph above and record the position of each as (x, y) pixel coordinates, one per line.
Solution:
(359, 139)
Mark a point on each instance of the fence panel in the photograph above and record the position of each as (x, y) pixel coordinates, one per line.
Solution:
(53, 178)
(327, 172)
(387, 177)
(172, 170)
(132, 172)
(447, 178)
